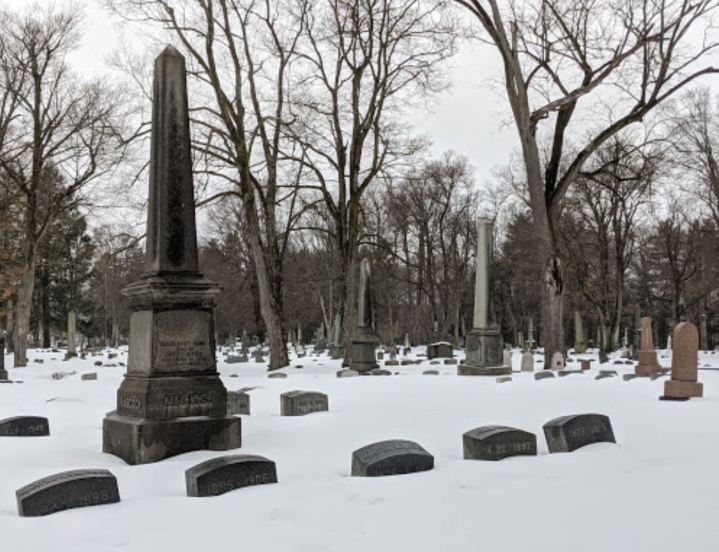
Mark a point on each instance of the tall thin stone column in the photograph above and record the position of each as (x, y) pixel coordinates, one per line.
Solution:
(171, 400)
(3, 373)
(484, 342)
(365, 341)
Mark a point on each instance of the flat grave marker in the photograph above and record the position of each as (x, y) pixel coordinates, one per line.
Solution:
(497, 442)
(227, 473)
(568, 433)
(391, 457)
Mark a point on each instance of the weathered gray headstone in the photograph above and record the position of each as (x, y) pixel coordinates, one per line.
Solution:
(276, 375)
(498, 442)
(238, 402)
(299, 403)
(527, 362)
(347, 373)
(24, 426)
(543, 374)
(90, 376)
(227, 473)
(63, 491)
(172, 399)
(440, 349)
(568, 433)
(391, 457)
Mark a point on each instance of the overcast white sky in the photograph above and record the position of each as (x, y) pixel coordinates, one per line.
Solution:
(470, 118)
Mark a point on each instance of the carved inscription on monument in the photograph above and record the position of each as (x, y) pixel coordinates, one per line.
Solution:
(183, 341)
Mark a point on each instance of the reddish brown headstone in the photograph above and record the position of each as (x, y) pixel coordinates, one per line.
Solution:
(648, 363)
(586, 364)
(683, 383)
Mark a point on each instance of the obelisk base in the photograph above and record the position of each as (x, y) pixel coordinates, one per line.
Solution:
(140, 441)
(364, 356)
(484, 354)
(676, 389)
(648, 364)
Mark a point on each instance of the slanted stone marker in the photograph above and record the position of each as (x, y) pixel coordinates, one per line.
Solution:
(484, 341)
(393, 457)
(568, 433)
(238, 402)
(227, 473)
(440, 349)
(648, 363)
(347, 373)
(299, 403)
(365, 341)
(172, 399)
(683, 383)
(24, 426)
(66, 490)
(498, 442)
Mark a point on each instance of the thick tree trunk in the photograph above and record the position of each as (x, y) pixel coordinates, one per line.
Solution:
(9, 341)
(552, 309)
(23, 310)
(44, 281)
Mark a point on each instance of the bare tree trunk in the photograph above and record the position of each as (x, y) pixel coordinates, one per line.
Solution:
(23, 309)
(10, 343)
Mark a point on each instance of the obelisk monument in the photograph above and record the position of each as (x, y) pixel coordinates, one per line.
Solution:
(365, 340)
(484, 342)
(171, 400)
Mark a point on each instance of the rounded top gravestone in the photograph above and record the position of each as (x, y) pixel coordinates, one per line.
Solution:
(685, 352)
(568, 433)
(392, 457)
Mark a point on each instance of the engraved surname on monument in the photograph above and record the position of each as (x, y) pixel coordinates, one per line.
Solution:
(183, 341)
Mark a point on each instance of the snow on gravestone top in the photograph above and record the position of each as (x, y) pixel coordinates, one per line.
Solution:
(66, 490)
(227, 473)
(498, 442)
(685, 352)
(568, 433)
(392, 457)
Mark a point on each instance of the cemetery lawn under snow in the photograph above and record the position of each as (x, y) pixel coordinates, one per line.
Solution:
(655, 490)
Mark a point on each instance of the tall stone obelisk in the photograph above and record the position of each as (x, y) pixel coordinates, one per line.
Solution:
(171, 400)
(484, 341)
(365, 341)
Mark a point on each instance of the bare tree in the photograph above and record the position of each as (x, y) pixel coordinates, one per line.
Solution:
(365, 60)
(562, 58)
(61, 137)
(241, 54)
(598, 230)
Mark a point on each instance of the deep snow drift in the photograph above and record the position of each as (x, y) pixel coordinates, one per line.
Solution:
(656, 490)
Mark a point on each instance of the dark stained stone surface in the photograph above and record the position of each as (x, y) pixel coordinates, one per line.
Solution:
(498, 442)
(568, 433)
(543, 374)
(24, 426)
(227, 473)
(299, 403)
(392, 457)
(71, 489)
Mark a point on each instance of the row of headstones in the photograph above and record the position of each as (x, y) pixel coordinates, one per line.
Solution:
(78, 488)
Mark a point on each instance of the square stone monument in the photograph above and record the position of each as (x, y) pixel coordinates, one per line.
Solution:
(171, 400)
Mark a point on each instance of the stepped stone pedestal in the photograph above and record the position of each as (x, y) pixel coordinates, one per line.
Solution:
(172, 399)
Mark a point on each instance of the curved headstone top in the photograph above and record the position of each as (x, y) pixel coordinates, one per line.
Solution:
(568, 433)
(227, 473)
(66, 490)
(392, 457)
(497, 442)
(24, 426)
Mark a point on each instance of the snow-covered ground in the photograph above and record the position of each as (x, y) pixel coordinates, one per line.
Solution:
(656, 490)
